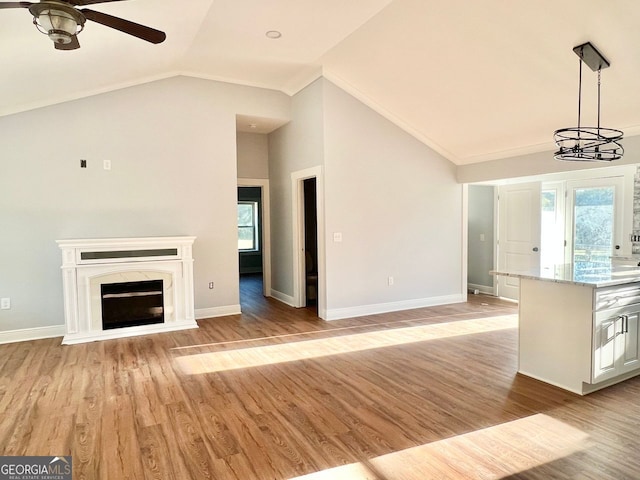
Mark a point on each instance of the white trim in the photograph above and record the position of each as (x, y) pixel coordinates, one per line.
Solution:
(297, 215)
(140, 81)
(283, 297)
(393, 118)
(85, 94)
(74, 338)
(481, 288)
(263, 183)
(359, 311)
(302, 80)
(464, 272)
(211, 312)
(496, 219)
(28, 334)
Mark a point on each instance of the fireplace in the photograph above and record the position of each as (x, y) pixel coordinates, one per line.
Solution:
(131, 304)
(121, 287)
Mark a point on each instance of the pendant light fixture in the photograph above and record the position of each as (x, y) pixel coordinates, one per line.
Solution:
(589, 144)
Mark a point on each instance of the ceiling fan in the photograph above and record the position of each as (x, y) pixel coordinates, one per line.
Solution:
(62, 21)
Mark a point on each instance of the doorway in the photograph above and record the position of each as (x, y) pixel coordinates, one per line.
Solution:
(594, 232)
(254, 238)
(309, 187)
(307, 203)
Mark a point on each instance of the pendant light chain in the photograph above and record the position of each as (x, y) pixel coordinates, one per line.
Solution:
(579, 94)
(599, 70)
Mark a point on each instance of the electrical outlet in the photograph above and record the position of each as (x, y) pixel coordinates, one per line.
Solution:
(635, 238)
(5, 304)
(106, 164)
(83, 163)
(390, 281)
(210, 285)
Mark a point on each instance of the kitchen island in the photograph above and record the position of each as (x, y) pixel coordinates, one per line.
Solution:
(579, 326)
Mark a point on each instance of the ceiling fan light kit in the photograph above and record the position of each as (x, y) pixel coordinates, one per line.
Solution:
(589, 144)
(61, 21)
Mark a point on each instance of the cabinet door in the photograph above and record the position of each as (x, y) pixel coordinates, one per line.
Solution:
(606, 348)
(630, 340)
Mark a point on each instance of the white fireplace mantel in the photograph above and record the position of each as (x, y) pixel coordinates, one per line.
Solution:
(88, 263)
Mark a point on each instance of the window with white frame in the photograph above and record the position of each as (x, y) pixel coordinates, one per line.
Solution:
(248, 226)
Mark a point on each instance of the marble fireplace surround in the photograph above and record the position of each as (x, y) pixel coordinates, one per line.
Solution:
(89, 263)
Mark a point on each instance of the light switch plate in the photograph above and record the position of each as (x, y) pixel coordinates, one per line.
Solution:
(5, 304)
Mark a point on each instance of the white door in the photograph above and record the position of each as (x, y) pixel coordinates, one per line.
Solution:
(518, 233)
(595, 208)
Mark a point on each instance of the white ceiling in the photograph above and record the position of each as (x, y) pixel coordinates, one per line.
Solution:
(474, 80)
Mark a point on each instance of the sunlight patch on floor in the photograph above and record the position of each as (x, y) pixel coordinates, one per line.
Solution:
(292, 351)
(491, 453)
(325, 331)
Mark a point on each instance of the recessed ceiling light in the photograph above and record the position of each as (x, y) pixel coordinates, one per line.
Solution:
(273, 34)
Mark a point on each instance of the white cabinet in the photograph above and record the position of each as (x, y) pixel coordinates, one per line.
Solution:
(631, 340)
(576, 336)
(616, 339)
(615, 343)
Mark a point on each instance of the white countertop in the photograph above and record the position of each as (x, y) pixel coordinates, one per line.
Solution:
(590, 275)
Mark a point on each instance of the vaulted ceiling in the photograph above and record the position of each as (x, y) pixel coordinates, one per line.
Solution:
(474, 80)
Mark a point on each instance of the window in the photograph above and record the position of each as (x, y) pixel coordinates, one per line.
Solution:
(594, 222)
(248, 226)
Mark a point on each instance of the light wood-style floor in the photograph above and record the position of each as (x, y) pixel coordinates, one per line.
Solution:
(276, 393)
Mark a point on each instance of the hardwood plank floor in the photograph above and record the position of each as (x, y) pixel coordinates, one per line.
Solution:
(276, 393)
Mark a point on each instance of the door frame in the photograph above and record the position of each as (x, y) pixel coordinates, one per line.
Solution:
(265, 235)
(297, 210)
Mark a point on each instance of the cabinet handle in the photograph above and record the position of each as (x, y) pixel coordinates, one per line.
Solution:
(625, 324)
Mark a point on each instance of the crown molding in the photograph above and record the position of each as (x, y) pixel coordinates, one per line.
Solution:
(393, 118)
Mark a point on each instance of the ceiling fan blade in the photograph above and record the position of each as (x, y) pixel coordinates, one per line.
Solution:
(145, 33)
(15, 4)
(73, 45)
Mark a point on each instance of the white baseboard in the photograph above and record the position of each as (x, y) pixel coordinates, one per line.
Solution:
(212, 312)
(26, 334)
(72, 339)
(481, 288)
(359, 311)
(282, 297)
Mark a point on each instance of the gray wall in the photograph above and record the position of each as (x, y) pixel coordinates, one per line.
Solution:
(295, 146)
(253, 155)
(172, 144)
(481, 222)
(398, 207)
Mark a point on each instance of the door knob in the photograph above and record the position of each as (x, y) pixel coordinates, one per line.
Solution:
(535, 249)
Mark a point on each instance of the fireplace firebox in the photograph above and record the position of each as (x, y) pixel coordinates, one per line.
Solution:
(131, 304)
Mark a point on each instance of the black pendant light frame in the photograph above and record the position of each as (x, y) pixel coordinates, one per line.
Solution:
(589, 144)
